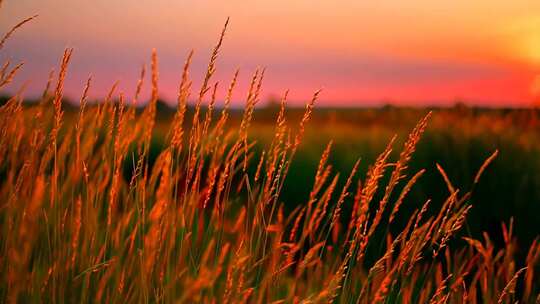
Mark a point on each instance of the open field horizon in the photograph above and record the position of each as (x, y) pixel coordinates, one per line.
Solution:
(417, 51)
(170, 105)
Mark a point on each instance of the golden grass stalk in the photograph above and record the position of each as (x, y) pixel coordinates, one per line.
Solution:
(404, 193)
(13, 29)
(509, 289)
(183, 94)
(343, 196)
(485, 165)
(5, 79)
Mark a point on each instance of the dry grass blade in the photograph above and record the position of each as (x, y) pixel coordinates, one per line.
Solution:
(183, 94)
(446, 179)
(485, 165)
(13, 29)
(80, 120)
(305, 118)
(212, 65)
(139, 86)
(343, 196)
(403, 194)
(511, 286)
(5, 80)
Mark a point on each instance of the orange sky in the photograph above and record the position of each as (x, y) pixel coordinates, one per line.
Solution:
(362, 53)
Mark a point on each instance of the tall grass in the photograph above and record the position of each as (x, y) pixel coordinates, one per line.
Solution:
(196, 225)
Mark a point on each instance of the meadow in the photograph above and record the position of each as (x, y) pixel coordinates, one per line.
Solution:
(109, 202)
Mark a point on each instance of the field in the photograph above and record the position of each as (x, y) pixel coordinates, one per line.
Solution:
(107, 202)
(460, 151)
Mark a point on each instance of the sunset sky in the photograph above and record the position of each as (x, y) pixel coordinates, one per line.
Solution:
(360, 52)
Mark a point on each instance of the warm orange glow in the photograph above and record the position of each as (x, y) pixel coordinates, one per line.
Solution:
(416, 51)
(535, 87)
(523, 39)
(532, 46)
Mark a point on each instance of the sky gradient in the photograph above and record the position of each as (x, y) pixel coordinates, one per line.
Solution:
(360, 52)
